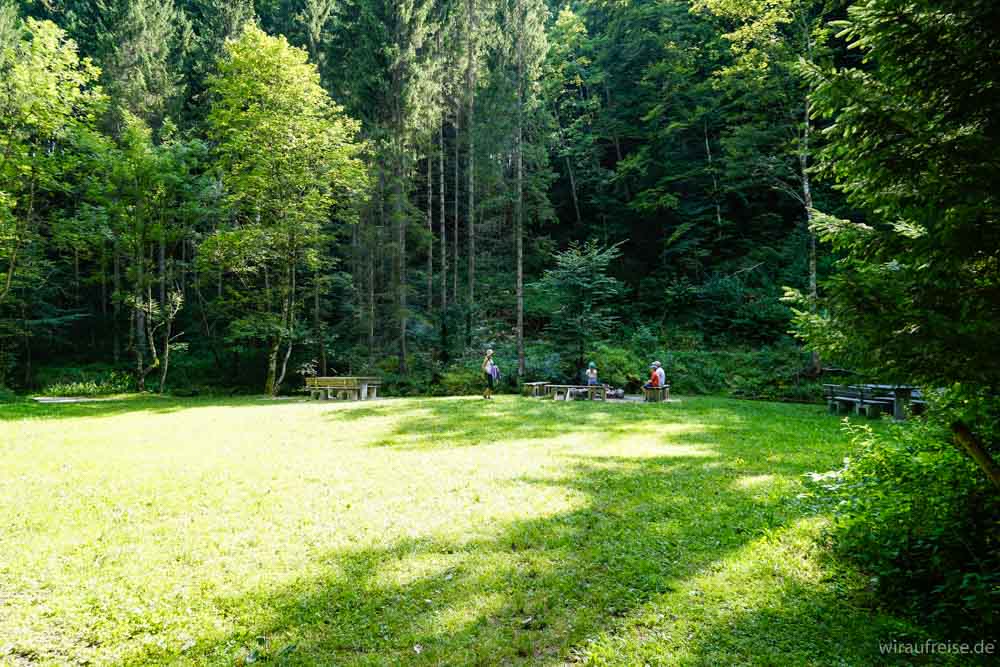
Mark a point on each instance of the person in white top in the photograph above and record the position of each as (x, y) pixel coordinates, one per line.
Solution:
(662, 374)
(488, 374)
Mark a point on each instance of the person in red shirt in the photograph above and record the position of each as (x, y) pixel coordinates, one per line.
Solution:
(654, 378)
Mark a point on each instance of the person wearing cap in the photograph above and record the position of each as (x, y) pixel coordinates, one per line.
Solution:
(591, 374)
(489, 374)
(654, 378)
(660, 374)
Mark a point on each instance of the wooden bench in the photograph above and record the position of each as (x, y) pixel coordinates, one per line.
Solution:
(566, 392)
(857, 398)
(347, 388)
(534, 389)
(656, 394)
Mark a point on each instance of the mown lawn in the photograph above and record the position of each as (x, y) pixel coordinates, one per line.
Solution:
(439, 532)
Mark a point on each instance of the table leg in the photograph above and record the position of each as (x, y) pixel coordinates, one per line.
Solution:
(363, 396)
(901, 402)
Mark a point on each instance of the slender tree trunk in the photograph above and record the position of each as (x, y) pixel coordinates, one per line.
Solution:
(808, 202)
(27, 347)
(116, 305)
(272, 366)
(470, 91)
(715, 185)
(184, 269)
(289, 321)
(519, 204)
(430, 229)
(104, 281)
(20, 234)
(399, 213)
(442, 223)
(573, 193)
(165, 366)
(161, 265)
(458, 197)
(374, 257)
(571, 173)
(140, 317)
(318, 326)
(614, 138)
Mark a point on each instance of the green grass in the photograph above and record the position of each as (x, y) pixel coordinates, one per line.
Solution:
(438, 532)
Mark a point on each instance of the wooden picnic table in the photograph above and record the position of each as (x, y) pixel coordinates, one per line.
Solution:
(564, 392)
(903, 395)
(872, 398)
(354, 388)
(534, 389)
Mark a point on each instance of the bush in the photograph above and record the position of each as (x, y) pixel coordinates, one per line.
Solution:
(918, 515)
(462, 381)
(620, 367)
(95, 381)
(774, 373)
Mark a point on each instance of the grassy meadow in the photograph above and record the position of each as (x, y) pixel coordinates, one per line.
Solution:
(426, 532)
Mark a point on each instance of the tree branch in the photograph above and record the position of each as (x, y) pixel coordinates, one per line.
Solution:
(975, 449)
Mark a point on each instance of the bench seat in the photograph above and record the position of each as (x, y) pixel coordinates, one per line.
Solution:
(656, 394)
(343, 388)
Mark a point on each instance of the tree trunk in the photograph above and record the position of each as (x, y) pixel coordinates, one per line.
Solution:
(374, 246)
(318, 326)
(975, 449)
(291, 339)
(519, 206)
(272, 367)
(399, 213)
(165, 366)
(808, 202)
(470, 130)
(457, 195)
(116, 305)
(570, 173)
(430, 230)
(140, 323)
(443, 227)
(161, 265)
(615, 140)
(715, 186)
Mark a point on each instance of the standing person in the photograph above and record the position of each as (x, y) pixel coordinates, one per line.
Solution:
(591, 374)
(660, 374)
(489, 371)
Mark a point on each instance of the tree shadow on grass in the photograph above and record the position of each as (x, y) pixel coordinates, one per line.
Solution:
(33, 410)
(539, 590)
(451, 423)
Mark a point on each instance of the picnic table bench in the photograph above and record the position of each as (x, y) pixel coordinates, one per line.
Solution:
(656, 394)
(534, 389)
(565, 392)
(351, 388)
(871, 399)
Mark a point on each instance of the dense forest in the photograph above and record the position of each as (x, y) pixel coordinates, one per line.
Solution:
(168, 213)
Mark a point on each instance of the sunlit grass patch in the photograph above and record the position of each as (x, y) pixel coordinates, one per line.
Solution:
(450, 531)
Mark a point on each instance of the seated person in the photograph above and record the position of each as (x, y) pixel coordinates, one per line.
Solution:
(654, 378)
(592, 374)
(661, 374)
